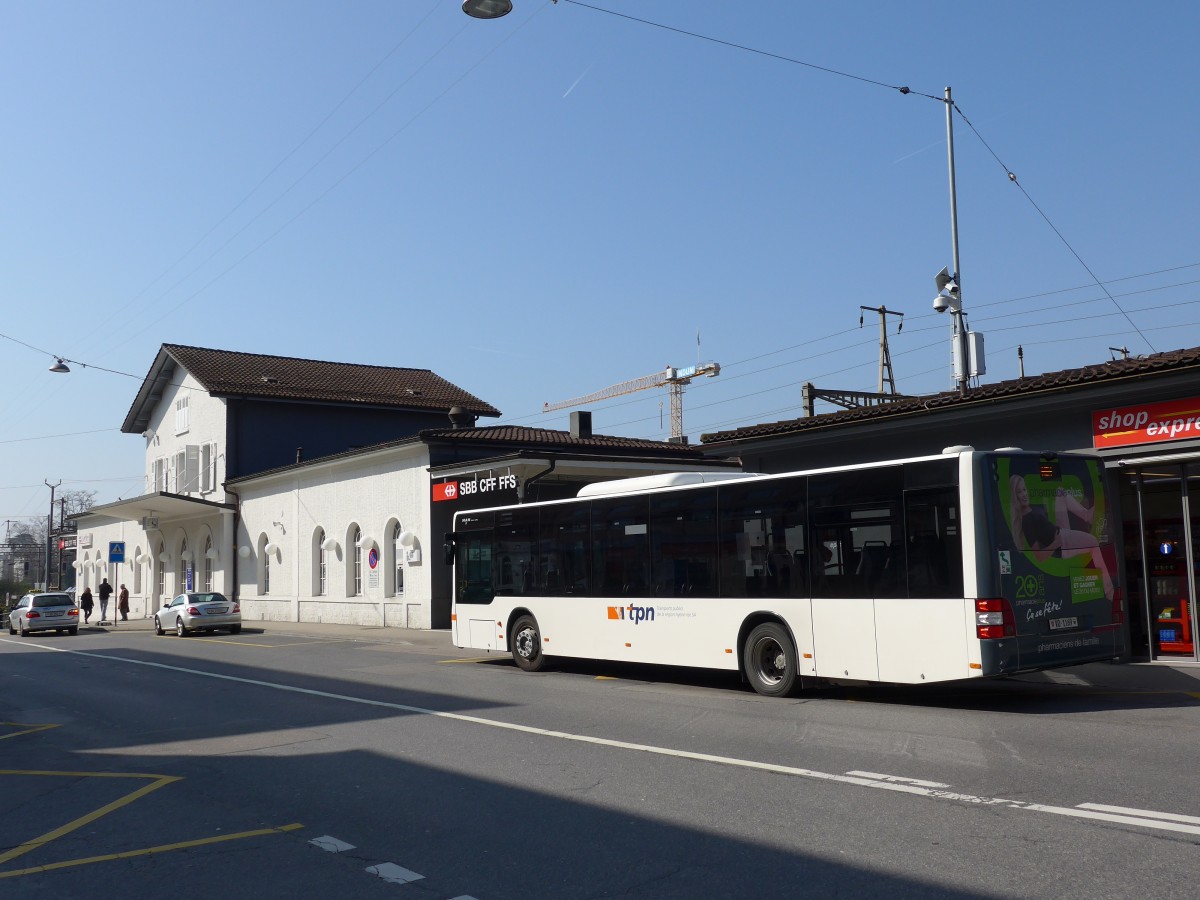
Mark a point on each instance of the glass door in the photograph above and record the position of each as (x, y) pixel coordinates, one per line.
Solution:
(1167, 552)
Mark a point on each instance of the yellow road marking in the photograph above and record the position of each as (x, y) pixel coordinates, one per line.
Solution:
(29, 729)
(159, 781)
(473, 659)
(162, 848)
(607, 678)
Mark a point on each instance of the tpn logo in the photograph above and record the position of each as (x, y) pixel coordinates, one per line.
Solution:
(631, 613)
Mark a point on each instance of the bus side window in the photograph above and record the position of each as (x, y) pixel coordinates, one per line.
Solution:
(762, 539)
(934, 543)
(564, 568)
(858, 517)
(620, 547)
(515, 551)
(683, 543)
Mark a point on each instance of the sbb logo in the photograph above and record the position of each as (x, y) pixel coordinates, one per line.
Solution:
(446, 491)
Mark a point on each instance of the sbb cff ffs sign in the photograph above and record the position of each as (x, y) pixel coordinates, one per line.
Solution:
(453, 490)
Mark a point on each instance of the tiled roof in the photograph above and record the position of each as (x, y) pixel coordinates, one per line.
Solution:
(532, 439)
(544, 438)
(285, 377)
(1050, 382)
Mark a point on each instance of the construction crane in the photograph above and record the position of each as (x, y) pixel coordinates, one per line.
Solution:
(673, 378)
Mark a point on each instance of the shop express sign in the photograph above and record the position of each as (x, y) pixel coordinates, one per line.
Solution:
(456, 490)
(1149, 423)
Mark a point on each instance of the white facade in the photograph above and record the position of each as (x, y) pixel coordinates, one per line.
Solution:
(157, 560)
(305, 540)
(185, 441)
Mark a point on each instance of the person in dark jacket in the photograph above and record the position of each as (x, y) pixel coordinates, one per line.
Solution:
(123, 604)
(86, 603)
(105, 592)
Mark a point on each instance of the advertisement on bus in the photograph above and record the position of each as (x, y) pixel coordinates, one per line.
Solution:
(1052, 529)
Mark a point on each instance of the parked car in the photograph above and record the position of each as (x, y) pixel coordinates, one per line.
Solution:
(44, 612)
(198, 612)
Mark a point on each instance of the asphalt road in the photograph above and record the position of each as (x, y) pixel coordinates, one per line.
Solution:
(320, 761)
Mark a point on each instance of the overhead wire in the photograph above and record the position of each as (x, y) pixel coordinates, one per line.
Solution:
(1013, 178)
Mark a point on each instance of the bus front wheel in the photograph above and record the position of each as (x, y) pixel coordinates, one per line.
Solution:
(770, 661)
(527, 645)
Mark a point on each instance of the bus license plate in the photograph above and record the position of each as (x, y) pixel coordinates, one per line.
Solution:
(1059, 624)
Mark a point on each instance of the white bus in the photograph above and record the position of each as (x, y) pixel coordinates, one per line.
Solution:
(962, 565)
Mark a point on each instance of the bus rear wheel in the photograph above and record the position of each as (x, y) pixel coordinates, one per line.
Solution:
(527, 645)
(770, 661)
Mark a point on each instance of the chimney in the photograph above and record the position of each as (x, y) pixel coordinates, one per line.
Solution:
(299, 454)
(581, 424)
(460, 418)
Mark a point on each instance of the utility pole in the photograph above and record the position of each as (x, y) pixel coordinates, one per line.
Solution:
(960, 328)
(885, 357)
(50, 531)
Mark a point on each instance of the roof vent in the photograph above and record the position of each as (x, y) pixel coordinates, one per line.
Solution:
(957, 448)
(412, 392)
(269, 379)
(460, 418)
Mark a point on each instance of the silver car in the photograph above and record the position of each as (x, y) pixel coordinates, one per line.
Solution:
(198, 612)
(44, 612)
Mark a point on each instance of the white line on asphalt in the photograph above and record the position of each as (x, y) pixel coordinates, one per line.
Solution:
(394, 874)
(1155, 820)
(332, 844)
(1146, 813)
(875, 776)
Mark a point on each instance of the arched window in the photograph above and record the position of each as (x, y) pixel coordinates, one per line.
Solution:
(320, 564)
(181, 569)
(358, 562)
(161, 562)
(398, 567)
(208, 565)
(137, 570)
(264, 565)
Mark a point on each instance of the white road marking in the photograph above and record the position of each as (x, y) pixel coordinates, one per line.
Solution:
(875, 776)
(1146, 813)
(1082, 812)
(394, 874)
(1143, 818)
(332, 844)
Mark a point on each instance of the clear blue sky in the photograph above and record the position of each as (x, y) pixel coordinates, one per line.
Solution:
(541, 206)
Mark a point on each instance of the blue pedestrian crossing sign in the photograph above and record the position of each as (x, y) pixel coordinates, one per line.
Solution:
(116, 551)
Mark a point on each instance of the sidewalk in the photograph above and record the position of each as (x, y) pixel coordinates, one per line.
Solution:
(1136, 676)
(434, 640)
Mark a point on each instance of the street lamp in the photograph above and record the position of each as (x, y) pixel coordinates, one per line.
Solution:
(60, 367)
(487, 9)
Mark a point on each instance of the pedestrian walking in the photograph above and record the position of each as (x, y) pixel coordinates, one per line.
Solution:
(105, 591)
(87, 604)
(123, 604)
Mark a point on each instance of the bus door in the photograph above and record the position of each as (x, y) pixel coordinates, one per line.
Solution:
(474, 587)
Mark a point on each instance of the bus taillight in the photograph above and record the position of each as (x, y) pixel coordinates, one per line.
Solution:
(994, 619)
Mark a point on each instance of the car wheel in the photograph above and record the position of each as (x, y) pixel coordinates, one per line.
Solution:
(21, 628)
(74, 630)
(158, 629)
(770, 661)
(11, 630)
(180, 631)
(527, 645)
(235, 629)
